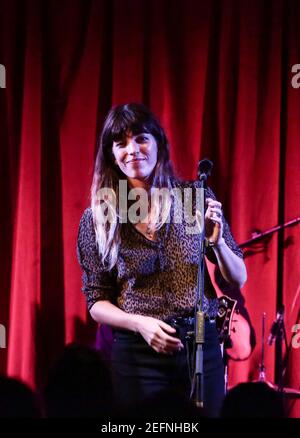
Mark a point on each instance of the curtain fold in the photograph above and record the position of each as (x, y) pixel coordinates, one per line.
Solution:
(217, 74)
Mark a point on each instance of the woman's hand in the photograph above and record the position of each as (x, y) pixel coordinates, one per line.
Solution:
(232, 266)
(155, 333)
(213, 221)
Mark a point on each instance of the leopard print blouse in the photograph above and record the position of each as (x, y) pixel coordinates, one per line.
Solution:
(156, 278)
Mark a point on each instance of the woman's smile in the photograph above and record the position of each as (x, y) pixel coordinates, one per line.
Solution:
(135, 160)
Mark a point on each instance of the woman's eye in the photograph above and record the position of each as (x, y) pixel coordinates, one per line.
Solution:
(142, 139)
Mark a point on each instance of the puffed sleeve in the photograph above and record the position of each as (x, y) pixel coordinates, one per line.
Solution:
(231, 243)
(98, 283)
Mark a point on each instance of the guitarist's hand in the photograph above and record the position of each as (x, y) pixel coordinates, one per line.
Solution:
(213, 221)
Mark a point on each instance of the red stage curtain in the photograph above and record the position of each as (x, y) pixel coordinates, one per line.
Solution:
(218, 75)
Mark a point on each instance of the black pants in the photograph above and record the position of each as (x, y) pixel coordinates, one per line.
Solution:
(139, 372)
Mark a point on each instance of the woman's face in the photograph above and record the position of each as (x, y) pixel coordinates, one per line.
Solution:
(136, 155)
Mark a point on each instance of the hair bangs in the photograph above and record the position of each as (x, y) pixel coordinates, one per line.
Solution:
(120, 131)
(132, 118)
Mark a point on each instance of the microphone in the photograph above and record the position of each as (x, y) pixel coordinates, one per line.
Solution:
(204, 169)
(276, 326)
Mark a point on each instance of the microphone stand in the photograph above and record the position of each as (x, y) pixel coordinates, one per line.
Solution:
(278, 333)
(280, 330)
(204, 170)
(258, 236)
(280, 336)
(261, 367)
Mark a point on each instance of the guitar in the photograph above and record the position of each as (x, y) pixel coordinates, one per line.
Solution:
(234, 330)
(224, 319)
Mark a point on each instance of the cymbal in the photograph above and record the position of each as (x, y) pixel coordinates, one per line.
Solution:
(286, 390)
(291, 391)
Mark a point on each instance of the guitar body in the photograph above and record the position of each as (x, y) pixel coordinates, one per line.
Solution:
(234, 329)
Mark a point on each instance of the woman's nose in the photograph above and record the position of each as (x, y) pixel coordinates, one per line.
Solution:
(133, 147)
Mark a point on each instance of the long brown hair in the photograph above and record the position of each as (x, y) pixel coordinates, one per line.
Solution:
(132, 118)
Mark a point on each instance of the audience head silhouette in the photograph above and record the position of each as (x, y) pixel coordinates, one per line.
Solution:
(253, 400)
(17, 400)
(79, 384)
